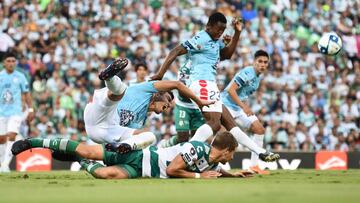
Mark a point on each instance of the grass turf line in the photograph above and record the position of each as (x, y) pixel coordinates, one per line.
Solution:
(280, 186)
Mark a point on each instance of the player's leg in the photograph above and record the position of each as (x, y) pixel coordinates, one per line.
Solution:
(13, 128)
(3, 138)
(114, 84)
(104, 172)
(212, 114)
(229, 123)
(94, 152)
(136, 142)
(182, 126)
(258, 129)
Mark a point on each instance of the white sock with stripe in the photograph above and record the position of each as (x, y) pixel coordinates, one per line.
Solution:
(259, 141)
(243, 139)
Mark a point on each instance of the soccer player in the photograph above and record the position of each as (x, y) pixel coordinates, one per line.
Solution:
(141, 74)
(188, 117)
(13, 86)
(234, 97)
(188, 160)
(204, 51)
(117, 111)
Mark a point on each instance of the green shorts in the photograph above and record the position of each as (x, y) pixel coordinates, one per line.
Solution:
(129, 162)
(187, 119)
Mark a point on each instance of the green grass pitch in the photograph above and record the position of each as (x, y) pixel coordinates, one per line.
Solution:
(280, 186)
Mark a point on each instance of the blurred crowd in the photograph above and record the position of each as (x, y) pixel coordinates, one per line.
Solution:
(307, 101)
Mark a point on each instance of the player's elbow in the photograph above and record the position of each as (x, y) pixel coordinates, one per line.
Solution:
(171, 171)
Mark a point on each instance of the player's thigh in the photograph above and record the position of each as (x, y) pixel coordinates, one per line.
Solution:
(247, 121)
(3, 126)
(100, 111)
(13, 126)
(108, 134)
(94, 152)
(112, 172)
(227, 120)
(196, 119)
(207, 90)
(182, 118)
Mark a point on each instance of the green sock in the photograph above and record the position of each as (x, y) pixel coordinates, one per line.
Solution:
(90, 166)
(57, 144)
(170, 142)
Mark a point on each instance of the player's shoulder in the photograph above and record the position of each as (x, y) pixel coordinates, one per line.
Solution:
(203, 35)
(248, 71)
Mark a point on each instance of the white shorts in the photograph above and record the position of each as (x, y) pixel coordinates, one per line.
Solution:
(102, 121)
(207, 90)
(10, 124)
(242, 119)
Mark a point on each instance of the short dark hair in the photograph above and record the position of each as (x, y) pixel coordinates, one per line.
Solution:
(9, 54)
(225, 140)
(216, 17)
(137, 66)
(261, 52)
(158, 96)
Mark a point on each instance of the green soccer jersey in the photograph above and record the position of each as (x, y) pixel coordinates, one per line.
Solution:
(195, 154)
(183, 76)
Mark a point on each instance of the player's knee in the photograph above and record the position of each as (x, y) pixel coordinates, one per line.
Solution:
(3, 139)
(257, 128)
(215, 125)
(183, 137)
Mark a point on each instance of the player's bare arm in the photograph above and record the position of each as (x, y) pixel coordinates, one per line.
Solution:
(237, 174)
(236, 99)
(28, 101)
(174, 53)
(183, 90)
(177, 169)
(230, 48)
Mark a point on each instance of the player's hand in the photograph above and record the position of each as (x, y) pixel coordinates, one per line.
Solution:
(156, 77)
(237, 23)
(30, 117)
(248, 111)
(203, 103)
(210, 174)
(243, 174)
(227, 39)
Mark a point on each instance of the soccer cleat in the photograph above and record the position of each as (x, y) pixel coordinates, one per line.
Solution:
(269, 156)
(114, 68)
(121, 148)
(256, 169)
(20, 146)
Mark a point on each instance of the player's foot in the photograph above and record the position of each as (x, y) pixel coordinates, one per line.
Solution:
(64, 156)
(256, 169)
(114, 68)
(20, 146)
(121, 148)
(5, 169)
(269, 156)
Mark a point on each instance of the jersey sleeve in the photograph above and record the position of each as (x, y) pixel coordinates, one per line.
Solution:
(243, 77)
(145, 87)
(221, 44)
(24, 84)
(191, 152)
(196, 43)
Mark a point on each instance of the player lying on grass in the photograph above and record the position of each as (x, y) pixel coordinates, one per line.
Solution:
(118, 112)
(187, 160)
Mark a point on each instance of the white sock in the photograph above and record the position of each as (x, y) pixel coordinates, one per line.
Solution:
(115, 85)
(141, 141)
(258, 139)
(7, 155)
(243, 139)
(2, 152)
(202, 133)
